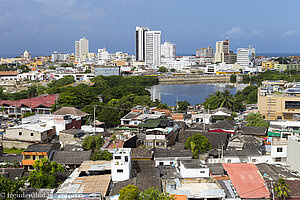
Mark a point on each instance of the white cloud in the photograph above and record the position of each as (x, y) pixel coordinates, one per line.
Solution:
(288, 33)
(233, 31)
(257, 32)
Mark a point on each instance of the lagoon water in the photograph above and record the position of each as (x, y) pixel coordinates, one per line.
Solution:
(193, 93)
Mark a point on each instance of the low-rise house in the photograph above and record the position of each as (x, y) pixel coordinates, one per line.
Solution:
(70, 111)
(166, 157)
(37, 151)
(60, 122)
(71, 159)
(227, 126)
(279, 150)
(21, 136)
(9, 75)
(195, 189)
(255, 131)
(193, 169)
(247, 180)
(71, 136)
(90, 181)
(161, 138)
(41, 104)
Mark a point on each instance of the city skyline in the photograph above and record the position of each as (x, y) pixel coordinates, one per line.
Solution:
(42, 26)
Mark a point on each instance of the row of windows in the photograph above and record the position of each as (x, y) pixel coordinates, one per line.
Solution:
(292, 104)
(28, 157)
(31, 134)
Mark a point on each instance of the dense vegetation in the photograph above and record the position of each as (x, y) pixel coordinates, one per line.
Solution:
(8, 186)
(44, 174)
(131, 192)
(288, 75)
(23, 68)
(256, 119)
(233, 102)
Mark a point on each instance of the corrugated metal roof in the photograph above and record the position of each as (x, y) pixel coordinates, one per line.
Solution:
(246, 180)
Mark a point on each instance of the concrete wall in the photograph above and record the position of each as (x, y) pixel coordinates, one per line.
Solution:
(14, 133)
(293, 158)
(193, 173)
(8, 144)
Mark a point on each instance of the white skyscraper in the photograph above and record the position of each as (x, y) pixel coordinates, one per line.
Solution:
(168, 50)
(152, 48)
(222, 51)
(82, 48)
(140, 43)
(246, 57)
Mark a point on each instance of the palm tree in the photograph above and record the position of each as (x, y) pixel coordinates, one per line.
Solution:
(281, 189)
(227, 100)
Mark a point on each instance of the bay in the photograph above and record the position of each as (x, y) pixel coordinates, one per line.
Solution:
(193, 93)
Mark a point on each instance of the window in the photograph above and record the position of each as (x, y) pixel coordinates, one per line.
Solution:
(161, 163)
(126, 158)
(20, 133)
(202, 172)
(31, 134)
(277, 159)
(157, 143)
(171, 163)
(27, 157)
(279, 117)
(279, 149)
(33, 157)
(41, 156)
(117, 157)
(119, 170)
(229, 161)
(292, 104)
(254, 160)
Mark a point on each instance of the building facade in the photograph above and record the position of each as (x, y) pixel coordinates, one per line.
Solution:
(205, 52)
(222, 51)
(168, 50)
(107, 71)
(140, 43)
(152, 47)
(246, 57)
(81, 49)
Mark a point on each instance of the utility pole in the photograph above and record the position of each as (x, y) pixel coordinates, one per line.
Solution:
(222, 152)
(269, 107)
(94, 119)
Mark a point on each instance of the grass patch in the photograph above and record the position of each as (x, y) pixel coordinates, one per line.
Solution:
(13, 150)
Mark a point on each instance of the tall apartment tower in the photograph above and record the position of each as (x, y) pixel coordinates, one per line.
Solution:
(121, 165)
(140, 43)
(81, 48)
(222, 51)
(168, 50)
(205, 52)
(246, 57)
(152, 46)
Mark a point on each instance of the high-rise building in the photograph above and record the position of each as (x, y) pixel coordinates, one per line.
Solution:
(205, 52)
(222, 51)
(168, 50)
(103, 54)
(246, 57)
(140, 43)
(152, 48)
(59, 57)
(82, 48)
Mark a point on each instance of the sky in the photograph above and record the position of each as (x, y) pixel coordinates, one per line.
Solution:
(44, 26)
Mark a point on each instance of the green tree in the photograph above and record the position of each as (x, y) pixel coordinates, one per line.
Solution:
(101, 155)
(173, 70)
(281, 189)
(245, 79)
(153, 194)
(129, 192)
(256, 119)
(183, 105)
(44, 174)
(92, 142)
(198, 144)
(232, 78)
(52, 68)
(8, 186)
(162, 69)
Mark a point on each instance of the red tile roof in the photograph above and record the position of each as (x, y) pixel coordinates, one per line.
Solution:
(46, 101)
(8, 73)
(246, 180)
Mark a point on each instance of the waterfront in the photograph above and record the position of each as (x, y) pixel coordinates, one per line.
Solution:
(193, 93)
